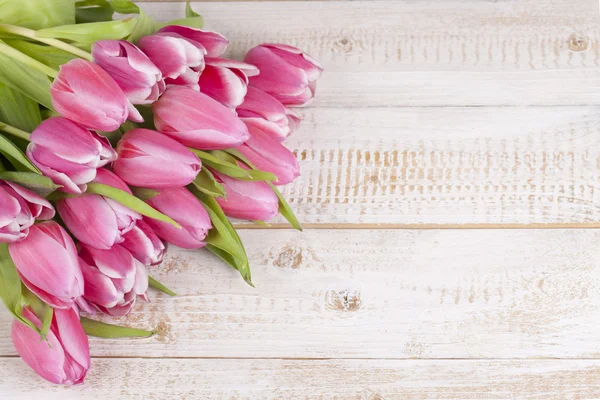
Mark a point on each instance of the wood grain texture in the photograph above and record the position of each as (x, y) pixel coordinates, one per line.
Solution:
(424, 53)
(377, 294)
(185, 379)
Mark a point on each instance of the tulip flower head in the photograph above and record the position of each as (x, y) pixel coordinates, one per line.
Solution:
(226, 80)
(144, 245)
(214, 43)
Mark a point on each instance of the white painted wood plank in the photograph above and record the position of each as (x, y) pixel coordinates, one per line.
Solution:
(377, 294)
(482, 165)
(427, 53)
(181, 379)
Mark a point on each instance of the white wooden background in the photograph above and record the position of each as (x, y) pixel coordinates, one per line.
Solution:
(450, 185)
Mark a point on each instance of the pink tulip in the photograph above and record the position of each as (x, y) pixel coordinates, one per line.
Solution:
(152, 160)
(265, 111)
(186, 209)
(268, 154)
(180, 60)
(113, 280)
(196, 120)
(84, 93)
(136, 75)
(226, 80)
(19, 208)
(64, 357)
(144, 245)
(286, 72)
(247, 200)
(214, 43)
(96, 220)
(48, 264)
(68, 154)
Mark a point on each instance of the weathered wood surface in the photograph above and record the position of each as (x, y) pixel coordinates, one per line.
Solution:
(188, 379)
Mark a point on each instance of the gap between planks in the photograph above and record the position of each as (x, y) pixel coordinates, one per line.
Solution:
(425, 226)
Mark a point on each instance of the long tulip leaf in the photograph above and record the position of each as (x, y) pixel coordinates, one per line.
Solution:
(129, 201)
(206, 183)
(159, 286)
(93, 11)
(37, 14)
(284, 208)
(37, 183)
(232, 169)
(16, 157)
(124, 7)
(25, 79)
(92, 31)
(110, 331)
(18, 110)
(48, 55)
(43, 311)
(143, 27)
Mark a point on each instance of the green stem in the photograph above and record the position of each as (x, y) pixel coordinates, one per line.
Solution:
(11, 130)
(25, 59)
(59, 44)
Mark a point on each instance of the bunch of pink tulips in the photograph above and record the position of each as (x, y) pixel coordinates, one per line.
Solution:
(204, 138)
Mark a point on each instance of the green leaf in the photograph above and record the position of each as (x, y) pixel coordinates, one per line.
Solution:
(37, 14)
(129, 201)
(206, 183)
(193, 19)
(144, 193)
(93, 11)
(232, 169)
(25, 79)
(189, 12)
(16, 157)
(109, 331)
(124, 7)
(48, 55)
(91, 32)
(284, 207)
(143, 27)
(37, 183)
(18, 110)
(159, 286)
(43, 311)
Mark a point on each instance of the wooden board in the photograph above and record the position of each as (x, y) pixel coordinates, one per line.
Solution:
(377, 294)
(187, 379)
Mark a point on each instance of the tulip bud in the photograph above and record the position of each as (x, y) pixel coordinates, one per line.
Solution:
(226, 80)
(270, 155)
(180, 60)
(113, 279)
(64, 357)
(84, 93)
(144, 245)
(286, 72)
(68, 154)
(253, 201)
(48, 264)
(19, 208)
(96, 220)
(266, 112)
(196, 120)
(181, 205)
(152, 160)
(136, 75)
(214, 43)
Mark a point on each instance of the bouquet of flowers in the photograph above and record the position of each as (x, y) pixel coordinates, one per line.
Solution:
(119, 137)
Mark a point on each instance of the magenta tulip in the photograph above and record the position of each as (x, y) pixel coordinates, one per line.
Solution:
(265, 111)
(214, 43)
(286, 72)
(48, 264)
(136, 75)
(68, 154)
(152, 160)
(144, 245)
(247, 200)
(113, 280)
(19, 208)
(180, 60)
(84, 93)
(268, 154)
(196, 120)
(64, 357)
(96, 220)
(186, 209)
(226, 80)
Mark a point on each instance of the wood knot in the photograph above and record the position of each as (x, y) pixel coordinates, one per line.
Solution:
(343, 45)
(343, 300)
(289, 257)
(577, 43)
